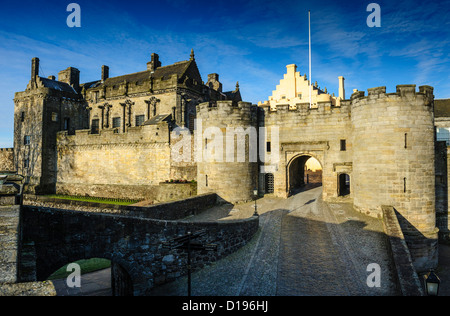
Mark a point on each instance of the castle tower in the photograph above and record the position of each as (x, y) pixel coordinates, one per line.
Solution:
(393, 162)
(226, 149)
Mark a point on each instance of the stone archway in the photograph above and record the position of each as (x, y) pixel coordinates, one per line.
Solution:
(299, 175)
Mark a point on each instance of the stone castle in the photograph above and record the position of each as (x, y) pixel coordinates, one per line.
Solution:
(115, 137)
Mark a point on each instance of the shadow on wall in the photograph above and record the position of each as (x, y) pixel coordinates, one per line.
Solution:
(423, 249)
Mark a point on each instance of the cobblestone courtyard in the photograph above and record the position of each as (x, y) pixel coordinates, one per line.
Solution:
(304, 247)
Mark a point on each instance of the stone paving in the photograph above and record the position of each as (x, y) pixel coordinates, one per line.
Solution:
(303, 247)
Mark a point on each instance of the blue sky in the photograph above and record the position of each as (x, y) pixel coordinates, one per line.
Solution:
(247, 41)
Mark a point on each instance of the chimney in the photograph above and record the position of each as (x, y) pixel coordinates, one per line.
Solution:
(154, 63)
(34, 68)
(105, 73)
(70, 76)
(341, 88)
(52, 77)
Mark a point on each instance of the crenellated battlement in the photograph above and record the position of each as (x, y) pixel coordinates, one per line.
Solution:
(402, 92)
(7, 149)
(303, 109)
(223, 111)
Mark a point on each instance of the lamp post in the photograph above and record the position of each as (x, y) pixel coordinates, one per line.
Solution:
(432, 283)
(255, 193)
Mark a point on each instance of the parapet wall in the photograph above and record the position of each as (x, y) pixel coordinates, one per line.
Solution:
(140, 157)
(134, 243)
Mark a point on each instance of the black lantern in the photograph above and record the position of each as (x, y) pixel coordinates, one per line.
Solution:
(432, 283)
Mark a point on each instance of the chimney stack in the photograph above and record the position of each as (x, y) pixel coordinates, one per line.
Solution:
(105, 73)
(341, 88)
(154, 63)
(34, 68)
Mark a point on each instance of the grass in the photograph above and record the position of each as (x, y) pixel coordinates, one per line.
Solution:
(93, 199)
(89, 265)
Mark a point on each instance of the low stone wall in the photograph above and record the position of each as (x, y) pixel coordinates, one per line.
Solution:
(165, 211)
(408, 279)
(45, 288)
(63, 236)
(9, 243)
(154, 193)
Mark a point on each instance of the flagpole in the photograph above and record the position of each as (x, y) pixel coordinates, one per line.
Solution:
(310, 79)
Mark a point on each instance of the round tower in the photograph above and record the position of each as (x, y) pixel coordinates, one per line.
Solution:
(226, 149)
(393, 162)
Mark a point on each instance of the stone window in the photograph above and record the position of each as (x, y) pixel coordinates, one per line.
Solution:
(95, 126)
(268, 147)
(343, 145)
(66, 123)
(22, 116)
(27, 140)
(54, 117)
(140, 120)
(26, 163)
(116, 122)
(268, 181)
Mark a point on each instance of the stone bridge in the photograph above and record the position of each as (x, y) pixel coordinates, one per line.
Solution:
(45, 239)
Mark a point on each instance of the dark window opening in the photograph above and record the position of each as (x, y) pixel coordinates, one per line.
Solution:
(268, 179)
(27, 140)
(116, 122)
(343, 145)
(140, 120)
(66, 124)
(95, 126)
(206, 180)
(22, 116)
(268, 147)
(344, 184)
(26, 163)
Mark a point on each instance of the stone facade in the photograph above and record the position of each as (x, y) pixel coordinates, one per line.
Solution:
(100, 137)
(7, 159)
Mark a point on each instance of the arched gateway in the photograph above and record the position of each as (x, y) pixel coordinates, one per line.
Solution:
(301, 171)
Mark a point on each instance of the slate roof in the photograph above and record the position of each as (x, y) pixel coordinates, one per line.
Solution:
(165, 72)
(57, 85)
(442, 108)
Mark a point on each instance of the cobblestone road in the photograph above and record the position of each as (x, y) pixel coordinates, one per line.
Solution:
(303, 247)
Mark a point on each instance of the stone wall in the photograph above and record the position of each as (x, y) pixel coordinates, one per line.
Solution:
(7, 159)
(9, 243)
(233, 179)
(62, 236)
(394, 162)
(174, 210)
(441, 186)
(315, 132)
(39, 113)
(407, 277)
